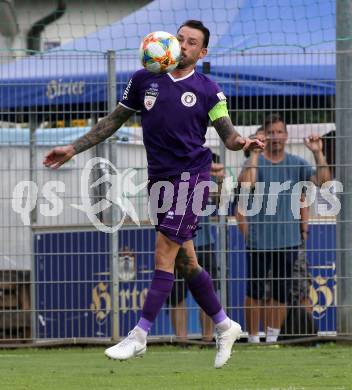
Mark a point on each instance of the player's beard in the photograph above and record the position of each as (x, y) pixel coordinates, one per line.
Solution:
(185, 62)
(182, 64)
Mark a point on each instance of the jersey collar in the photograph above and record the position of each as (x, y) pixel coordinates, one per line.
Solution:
(181, 78)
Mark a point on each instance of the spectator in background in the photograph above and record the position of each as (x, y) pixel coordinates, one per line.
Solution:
(241, 219)
(301, 277)
(204, 244)
(273, 234)
(329, 145)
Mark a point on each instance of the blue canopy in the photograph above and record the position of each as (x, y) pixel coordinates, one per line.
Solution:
(257, 48)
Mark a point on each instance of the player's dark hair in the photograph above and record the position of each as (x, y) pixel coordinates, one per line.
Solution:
(273, 118)
(198, 25)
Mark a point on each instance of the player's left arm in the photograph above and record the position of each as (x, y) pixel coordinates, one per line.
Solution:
(224, 127)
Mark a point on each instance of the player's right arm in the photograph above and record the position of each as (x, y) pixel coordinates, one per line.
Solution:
(105, 128)
(98, 133)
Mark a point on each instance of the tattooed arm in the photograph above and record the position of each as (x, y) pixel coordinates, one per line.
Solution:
(98, 133)
(103, 129)
(228, 134)
(231, 138)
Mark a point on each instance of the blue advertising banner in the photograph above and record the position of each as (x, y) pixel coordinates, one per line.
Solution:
(73, 291)
(321, 255)
(71, 274)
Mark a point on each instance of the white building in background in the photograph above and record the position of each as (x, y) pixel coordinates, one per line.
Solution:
(80, 18)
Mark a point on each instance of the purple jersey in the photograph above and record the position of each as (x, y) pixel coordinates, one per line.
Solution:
(174, 119)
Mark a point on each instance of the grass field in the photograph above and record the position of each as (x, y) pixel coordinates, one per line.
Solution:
(325, 366)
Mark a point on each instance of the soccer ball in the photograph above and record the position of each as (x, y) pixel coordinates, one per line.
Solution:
(160, 52)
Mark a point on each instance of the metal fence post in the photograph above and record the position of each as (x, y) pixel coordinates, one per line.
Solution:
(33, 220)
(114, 239)
(344, 164)
(223, 244)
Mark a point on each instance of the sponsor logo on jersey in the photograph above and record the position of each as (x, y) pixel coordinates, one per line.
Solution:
(125, 94)
(188, 99)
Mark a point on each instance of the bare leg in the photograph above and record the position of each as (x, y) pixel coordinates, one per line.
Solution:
(207, 326)
(179, 320)
(165, 253)
(275, 314)
(307, 304)
(252, 312)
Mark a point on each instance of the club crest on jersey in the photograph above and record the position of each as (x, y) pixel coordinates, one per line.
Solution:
(188, 99)
(150, 98)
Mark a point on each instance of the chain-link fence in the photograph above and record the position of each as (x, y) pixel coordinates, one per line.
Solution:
(77, 245)
(65, 275)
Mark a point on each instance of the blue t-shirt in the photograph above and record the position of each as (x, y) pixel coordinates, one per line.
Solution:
(279, 229)
(206, 235)
(174, 119)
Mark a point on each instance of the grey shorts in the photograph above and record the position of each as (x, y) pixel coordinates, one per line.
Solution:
(302, 279)
(273, 269)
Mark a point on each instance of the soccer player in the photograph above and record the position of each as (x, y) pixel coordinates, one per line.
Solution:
(175, 108)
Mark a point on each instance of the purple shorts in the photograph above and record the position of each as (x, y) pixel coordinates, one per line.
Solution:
(174, 203)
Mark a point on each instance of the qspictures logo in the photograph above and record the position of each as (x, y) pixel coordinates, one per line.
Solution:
(120, 187)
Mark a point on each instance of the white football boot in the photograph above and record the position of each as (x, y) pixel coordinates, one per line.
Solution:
(224, 343)
(130, 347)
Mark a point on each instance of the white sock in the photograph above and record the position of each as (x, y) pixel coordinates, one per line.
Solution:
(141, 334)
(253, 339)
(224, 325)
(272, 334)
